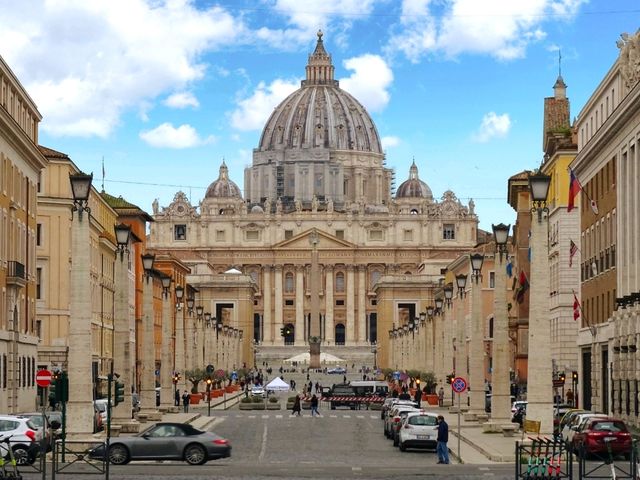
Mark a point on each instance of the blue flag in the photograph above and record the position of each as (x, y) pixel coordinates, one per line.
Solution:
(509, 269)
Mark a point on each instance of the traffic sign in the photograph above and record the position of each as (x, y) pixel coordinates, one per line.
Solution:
(459, 384)
(43, 378)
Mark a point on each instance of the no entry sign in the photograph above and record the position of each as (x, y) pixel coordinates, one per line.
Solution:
(459, 384)
(43, 378)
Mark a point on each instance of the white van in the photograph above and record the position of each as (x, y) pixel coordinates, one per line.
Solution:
(370, 387)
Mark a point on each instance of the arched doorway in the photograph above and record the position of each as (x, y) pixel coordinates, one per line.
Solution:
(289, 334)
(339, 334)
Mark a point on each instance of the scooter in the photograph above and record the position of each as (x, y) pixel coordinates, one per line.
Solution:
(10, 471)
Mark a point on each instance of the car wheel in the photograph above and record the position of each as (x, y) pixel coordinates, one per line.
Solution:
(22, 455)
(118, 454)
(195, 454)
(402, 447)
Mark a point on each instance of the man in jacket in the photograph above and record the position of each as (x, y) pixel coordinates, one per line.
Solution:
(443, 438)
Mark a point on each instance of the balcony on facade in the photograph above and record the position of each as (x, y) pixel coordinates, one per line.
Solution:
(16, 275)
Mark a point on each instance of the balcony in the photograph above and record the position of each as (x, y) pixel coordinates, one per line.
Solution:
(16, 275)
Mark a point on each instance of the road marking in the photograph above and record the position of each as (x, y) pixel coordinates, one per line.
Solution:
(356, 469)
(359, 416)
(346, 416)
(263, 447)
(278, 416)
(373, 416)
(333, 416)
(252, 416)
(483, 468)
(265, 416)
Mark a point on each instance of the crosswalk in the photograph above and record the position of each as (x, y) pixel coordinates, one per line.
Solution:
(308, 415)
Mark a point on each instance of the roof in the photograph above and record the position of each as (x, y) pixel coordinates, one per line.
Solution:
(51, 153)
(123, 207)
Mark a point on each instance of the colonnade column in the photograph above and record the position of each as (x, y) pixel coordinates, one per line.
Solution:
(299, 322)
(476, 350)
(267, 336)
(166, 363)
(148, 363)
(328, 308)
(362, 304)
(278, 304)
(350, 330)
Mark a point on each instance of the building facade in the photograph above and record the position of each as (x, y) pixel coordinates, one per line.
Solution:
(318, 183)
(20, 166)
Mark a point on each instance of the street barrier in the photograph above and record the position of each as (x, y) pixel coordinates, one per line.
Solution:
(543, 458)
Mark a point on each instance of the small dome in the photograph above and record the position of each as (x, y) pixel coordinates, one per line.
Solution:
(414, 187)
(223, 187)
(257, 209)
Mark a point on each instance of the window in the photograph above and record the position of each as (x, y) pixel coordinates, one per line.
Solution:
(408, 235)
(340, 303)
(339, 282)
(288, 234)
(180, 232)
(220, 235)
(288, 282)
(492, 279)
(375, 235)
(252, 235)
(288, 303)
(448, 231)
(39, 234)
(491, 327)
(340, 234)
(375, 276)
(39, 283)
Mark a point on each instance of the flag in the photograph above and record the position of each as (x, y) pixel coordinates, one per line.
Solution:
(509, 269)
(576, 308)
(573, 249)
(594, 207)
(529, 250)
(523, 287)
(574, 189)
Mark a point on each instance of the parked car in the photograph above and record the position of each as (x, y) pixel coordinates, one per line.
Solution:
(599, 436)
(419, 430)
(397, 425)
(166, 441)
(338, 370)
(391, 402)
(518, 403)
(394, 417)
(257, 391)
(24, 438)
(574, 425)
(101, 407)
(53, 419)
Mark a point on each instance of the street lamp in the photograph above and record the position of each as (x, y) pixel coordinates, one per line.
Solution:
(209, 382)
(80, 189)
(476, 346)
(207, 319)
(500, 380)
(430, 311)
(461, 283)
(540, 372)
(448, 294)
(190, 302)
(166, 285)
(477, 259)
(199, 311)
(439, 303)
(123, 233)
(147, 264)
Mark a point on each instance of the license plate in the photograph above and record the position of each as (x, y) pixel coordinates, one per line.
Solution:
(424, 437)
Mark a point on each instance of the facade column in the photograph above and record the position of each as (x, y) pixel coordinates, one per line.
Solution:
(166, 360)
(461, 346)
(80, 408)
(267, 323)
(362, 305)
(350, 330)
(180, 350)
(539, 372)
(278, 304)
(328, 305)
(148, 361)
(189, 320)
(299, 322)
(476, 350)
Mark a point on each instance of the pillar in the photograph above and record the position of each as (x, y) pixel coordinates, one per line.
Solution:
(362, 304)
(278, 304)
(476, 350)
(267, 336)
(299, 328)
(166, 359)
(148, 350)
(328, 305)
(180, 350)
(350, 327)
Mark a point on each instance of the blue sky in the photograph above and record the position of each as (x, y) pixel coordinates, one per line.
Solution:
(164, 90)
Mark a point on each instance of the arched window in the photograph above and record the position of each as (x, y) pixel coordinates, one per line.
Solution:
(491, 327)
(288, 282)
(375, 276)
(340, 282)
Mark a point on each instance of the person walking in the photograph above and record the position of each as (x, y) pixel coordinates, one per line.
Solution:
(314, 406)
(185, 401)
(418, 396)
(443, 438)
(296, 406)
(441, 397)
(177, 398)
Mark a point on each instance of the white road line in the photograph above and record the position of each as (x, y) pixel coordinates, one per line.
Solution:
(346, 416)
(333, 416)
(263, 447)
(278, 416)
(252, 416)
(265, 416)
(359, 416)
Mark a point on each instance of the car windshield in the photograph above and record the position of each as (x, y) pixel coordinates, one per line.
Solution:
(425, 420)
(609, 426)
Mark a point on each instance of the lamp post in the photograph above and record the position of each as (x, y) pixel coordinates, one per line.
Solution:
(148, 350)
(461, 336)
(476, 346)
(374, 350)
(166, 361)
(79, 358)
(123, 347)
(199, 338)
(209, 381)
(500, 381)
(179, 354)
(449, 334)
(540, 371)
(189, 336)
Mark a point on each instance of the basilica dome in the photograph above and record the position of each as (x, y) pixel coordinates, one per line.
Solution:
(414, 187)
(223, 187)
(320, 114)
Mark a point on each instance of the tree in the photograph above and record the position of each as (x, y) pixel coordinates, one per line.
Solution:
(429, 381)
(195, 376)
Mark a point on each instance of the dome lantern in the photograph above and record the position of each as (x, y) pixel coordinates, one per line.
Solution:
(414, 187)
(223, 187)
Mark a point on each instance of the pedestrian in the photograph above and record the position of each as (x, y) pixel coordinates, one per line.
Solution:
(177, 398)
(185, 401)
(441, 396)
(443, 438)
(570, 397)
(314, 406)
(296, 406)
(344, 379)
(418, 396)
(317, 387)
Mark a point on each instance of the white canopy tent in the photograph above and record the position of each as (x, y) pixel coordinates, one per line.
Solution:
(277, 385)
(324, 358)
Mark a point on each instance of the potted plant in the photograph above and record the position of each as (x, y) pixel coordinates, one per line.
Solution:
(246, 404)
(195, 376)
(273, 404)
(290, 402)
(258, 403)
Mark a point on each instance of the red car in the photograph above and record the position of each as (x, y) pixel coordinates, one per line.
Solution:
(601, 435)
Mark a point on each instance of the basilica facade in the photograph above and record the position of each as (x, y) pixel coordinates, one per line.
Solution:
(320, 229)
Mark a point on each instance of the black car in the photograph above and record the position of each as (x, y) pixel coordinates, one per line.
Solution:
(166, 441)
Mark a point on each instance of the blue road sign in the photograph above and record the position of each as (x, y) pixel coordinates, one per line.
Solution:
(459, 385)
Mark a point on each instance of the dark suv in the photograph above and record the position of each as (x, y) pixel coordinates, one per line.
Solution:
(343, 395)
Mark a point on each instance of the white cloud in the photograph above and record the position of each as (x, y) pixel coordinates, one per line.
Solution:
(500, 28)
(369, 82)
(182, 100)
(389, 142)
(492, 126)
(253, 111)
(168, 136)
(110, 56)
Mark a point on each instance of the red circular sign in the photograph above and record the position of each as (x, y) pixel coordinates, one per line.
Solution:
(43, 378)
(459, 384)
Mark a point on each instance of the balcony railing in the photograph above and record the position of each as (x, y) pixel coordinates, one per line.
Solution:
(16, 274)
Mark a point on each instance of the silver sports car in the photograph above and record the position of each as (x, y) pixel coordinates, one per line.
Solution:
(166, 441)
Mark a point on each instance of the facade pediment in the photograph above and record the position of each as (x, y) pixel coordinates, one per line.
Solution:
(304, 240)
